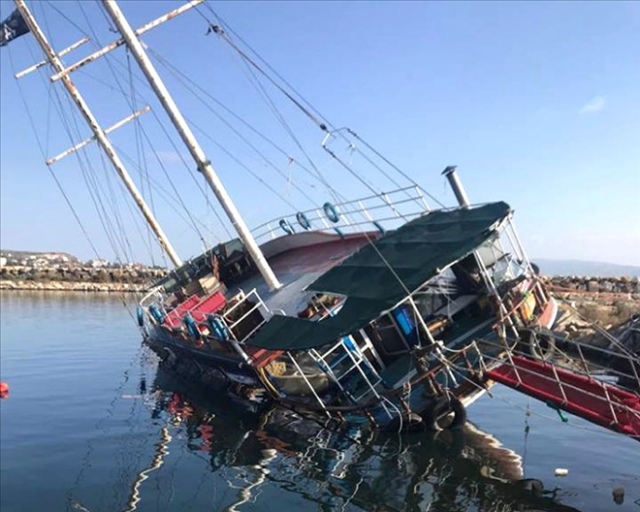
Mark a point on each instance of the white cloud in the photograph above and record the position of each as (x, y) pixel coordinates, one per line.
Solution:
(169, 156)
(595, 105)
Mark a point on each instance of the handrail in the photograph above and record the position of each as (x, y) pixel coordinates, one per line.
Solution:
(272, 229)
(350, 208)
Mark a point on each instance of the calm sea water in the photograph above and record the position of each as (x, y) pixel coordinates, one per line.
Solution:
(92, 424)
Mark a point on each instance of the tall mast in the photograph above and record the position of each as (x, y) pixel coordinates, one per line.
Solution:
(197, 153)
(99, 133)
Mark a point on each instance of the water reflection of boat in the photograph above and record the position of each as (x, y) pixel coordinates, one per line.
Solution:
(334, 465)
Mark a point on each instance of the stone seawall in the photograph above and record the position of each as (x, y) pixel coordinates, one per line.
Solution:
(578, 286)
(104, 279)
(107, 279)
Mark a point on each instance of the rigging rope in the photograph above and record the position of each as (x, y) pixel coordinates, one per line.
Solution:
(221, 29)
(73, 138)
(277, 114)
(131, 103)
(227, 28)
(220, 32)
(185, 80)
(43, 154)
(180, 75)
(142, 160)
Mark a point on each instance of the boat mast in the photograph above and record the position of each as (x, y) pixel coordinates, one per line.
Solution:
(196, 151)
(98, 132)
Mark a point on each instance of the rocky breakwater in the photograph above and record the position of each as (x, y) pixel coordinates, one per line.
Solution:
(576, 286)
(607, 301)
(78, 278)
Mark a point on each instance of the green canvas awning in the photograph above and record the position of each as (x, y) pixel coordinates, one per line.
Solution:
(377, 277)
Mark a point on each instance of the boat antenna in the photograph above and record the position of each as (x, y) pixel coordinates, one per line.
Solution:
(98, 132)
(204, 164)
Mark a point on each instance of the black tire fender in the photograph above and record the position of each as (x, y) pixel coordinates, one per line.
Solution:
(168, 357)
(442, 407)
(538, 342)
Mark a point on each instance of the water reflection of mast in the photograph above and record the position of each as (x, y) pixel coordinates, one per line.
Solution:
(245, 492)
(158, 460)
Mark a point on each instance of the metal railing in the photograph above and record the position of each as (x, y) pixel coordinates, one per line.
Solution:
(379, 212)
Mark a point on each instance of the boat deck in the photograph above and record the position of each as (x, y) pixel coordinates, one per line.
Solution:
(298, 267)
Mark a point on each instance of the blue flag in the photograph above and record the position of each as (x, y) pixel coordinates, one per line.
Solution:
(11, 28)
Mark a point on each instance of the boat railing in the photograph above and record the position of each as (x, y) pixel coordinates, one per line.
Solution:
(153, 295)
(253, 297)
(378, 212)
(578, 363)
(574, 384)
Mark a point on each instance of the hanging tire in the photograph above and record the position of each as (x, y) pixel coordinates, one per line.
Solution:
(168, 357)
(459, 414)
(434, 417)
(538, 343)
(409, 423)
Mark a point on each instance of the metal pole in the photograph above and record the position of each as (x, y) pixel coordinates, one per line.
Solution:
(204, 165)
(456, 185)
(99, 133)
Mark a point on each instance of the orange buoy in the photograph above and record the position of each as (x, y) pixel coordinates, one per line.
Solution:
(4, 389)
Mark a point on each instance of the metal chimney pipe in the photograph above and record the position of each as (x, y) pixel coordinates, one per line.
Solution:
(456, 186)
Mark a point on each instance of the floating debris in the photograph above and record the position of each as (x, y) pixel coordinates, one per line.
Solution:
(618, 495)
(4, 389)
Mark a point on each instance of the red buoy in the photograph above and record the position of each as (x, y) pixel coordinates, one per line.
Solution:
(4, 389)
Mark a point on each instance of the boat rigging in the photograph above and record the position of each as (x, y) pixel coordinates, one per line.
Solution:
(379, 309)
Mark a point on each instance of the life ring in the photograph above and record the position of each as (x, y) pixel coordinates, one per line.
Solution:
(331, 212)
(140, 316)
(156, 313)
(443, 406)
(286, 226)
(538, 342)
(192, 327)
(303, 221)
(218, 327)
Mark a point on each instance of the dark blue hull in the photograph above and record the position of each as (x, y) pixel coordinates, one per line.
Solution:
(227, 368)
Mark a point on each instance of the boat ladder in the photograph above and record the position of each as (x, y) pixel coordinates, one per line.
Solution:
(350, 369)
(587, 396)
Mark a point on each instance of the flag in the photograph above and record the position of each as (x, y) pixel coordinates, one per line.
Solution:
(11, 28)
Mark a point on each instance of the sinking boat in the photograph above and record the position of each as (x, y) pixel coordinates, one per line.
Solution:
(381, 309)
(387, 325)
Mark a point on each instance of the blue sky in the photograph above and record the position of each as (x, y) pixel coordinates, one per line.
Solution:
(538, 103)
